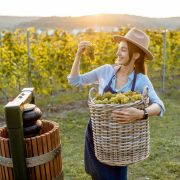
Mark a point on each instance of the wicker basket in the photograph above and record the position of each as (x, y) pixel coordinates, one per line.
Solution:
(118, 144)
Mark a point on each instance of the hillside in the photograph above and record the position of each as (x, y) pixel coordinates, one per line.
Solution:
(102, 20)
(9, 22)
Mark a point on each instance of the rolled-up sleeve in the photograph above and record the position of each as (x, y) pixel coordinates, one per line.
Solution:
(87, 78)
(153, 97)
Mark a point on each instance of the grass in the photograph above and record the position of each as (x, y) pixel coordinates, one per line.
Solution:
(164, 160)
(62, 97)
(72, 127)
(163, 163)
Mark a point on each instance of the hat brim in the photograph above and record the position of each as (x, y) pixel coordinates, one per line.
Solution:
(148, 54)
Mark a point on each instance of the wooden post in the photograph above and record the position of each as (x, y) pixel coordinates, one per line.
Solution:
(29, 59)
(4, 90)
(164, 62)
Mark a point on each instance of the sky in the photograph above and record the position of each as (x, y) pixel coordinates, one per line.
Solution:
(147, 8)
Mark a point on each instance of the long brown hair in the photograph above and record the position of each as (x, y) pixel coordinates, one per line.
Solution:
(140, 66)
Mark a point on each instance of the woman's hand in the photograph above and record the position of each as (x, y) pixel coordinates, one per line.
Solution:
(82, 46)
(127, 115)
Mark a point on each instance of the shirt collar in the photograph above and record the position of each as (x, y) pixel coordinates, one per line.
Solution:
(131, 75)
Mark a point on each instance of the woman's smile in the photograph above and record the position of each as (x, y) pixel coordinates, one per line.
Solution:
(120, 58)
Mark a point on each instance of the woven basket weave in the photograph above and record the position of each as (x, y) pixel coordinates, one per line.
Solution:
(118, 144)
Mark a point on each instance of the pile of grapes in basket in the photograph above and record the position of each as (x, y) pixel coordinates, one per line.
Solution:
(119, 98)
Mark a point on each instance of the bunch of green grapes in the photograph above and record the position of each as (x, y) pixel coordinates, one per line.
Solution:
(90, 51)
(133, 96)
(120, 98)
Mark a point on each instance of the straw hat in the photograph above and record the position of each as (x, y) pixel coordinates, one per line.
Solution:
(138, 38)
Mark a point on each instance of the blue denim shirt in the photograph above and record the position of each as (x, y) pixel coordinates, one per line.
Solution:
(102, 76)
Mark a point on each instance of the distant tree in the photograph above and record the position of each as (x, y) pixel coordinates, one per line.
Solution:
(90, 31)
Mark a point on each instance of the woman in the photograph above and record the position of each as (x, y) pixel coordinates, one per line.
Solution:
(128, 74)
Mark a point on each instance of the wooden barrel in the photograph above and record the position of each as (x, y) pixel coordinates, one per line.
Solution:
(43, 160)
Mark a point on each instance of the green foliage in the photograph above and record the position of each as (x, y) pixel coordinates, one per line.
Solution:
(52, 57)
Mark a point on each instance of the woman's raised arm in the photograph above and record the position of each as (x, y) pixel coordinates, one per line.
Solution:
(76, 65)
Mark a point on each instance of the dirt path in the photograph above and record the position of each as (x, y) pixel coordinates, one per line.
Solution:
(61, 109)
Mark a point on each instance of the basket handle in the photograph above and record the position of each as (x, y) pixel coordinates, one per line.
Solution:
(145, 96)
(90, 99)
